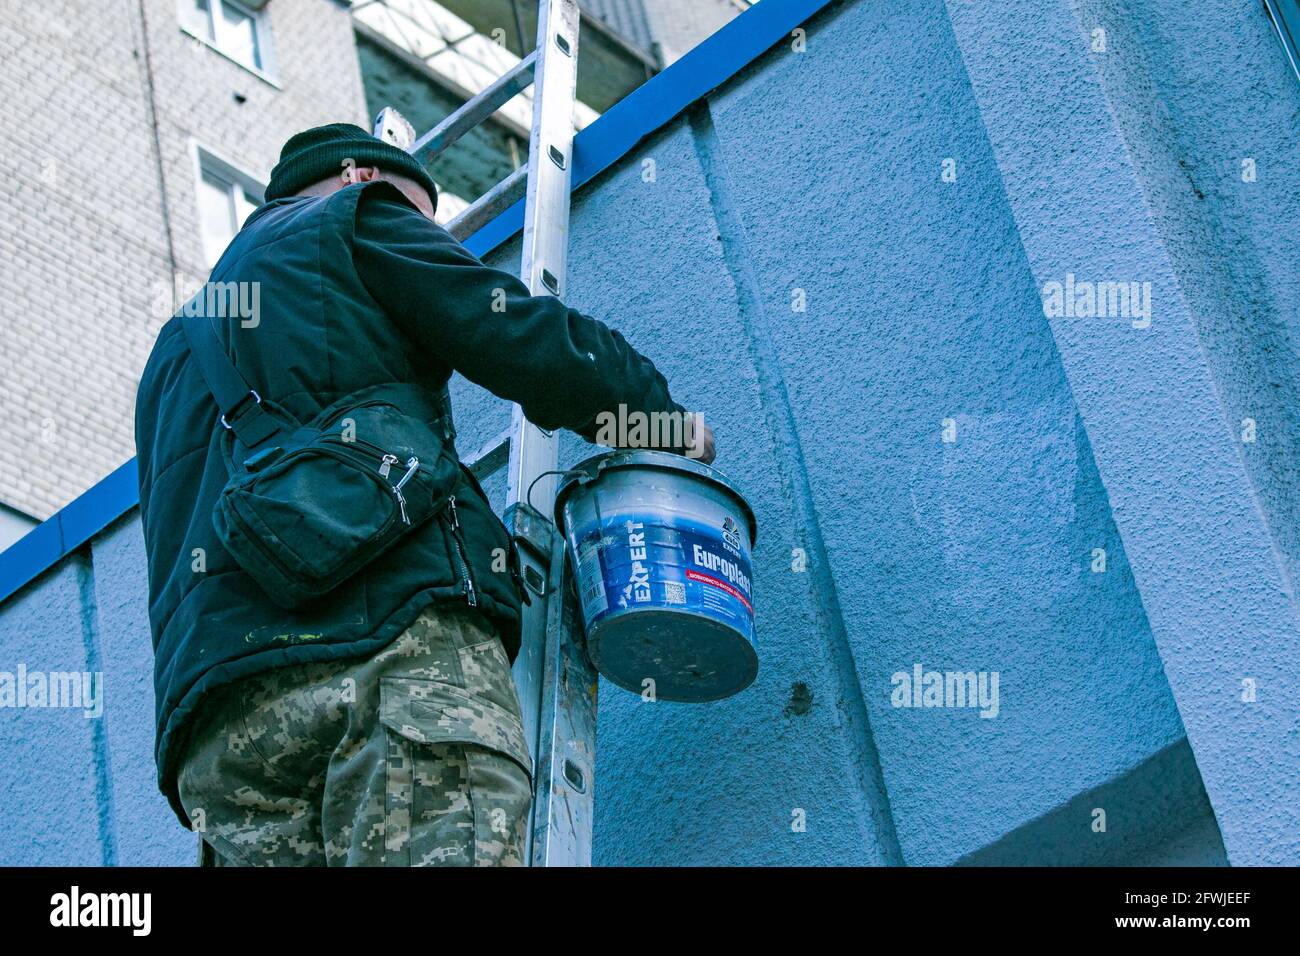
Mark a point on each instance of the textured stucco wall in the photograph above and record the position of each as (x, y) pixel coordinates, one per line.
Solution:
(80, 790)
(973, 555)
(817, 177)
(1203, 520)
(966, 555)
(1226, 205)
(50, 804)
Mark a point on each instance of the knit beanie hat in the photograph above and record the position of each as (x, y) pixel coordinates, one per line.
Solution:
(313, 154)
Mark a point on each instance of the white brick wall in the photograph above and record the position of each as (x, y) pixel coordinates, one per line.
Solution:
(677, 26)
(680, 25)
(83, 249)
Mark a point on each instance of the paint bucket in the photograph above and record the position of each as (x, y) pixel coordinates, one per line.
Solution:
(660, 548)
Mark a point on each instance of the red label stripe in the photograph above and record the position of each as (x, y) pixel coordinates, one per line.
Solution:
(718, 583)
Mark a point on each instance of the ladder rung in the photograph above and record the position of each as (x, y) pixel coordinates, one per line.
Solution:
(490, 205)
(505, 88)
(492, 457)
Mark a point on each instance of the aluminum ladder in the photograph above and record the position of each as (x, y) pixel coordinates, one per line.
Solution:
(556, 682)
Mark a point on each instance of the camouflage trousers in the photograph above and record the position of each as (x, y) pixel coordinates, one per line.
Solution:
(413, 757)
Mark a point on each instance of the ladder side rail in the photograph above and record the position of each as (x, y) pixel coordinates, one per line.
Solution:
(565, 790)
(565, 794)
(534, 452)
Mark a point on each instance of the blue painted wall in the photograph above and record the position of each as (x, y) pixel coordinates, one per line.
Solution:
(1125, 164)
(50, 806)
(813, 178)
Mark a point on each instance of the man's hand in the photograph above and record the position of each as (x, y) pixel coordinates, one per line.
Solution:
(694, 440)
(700, 446)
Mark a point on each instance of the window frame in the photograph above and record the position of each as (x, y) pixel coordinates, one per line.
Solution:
(267, 70)
(15, 517)
(212, 163)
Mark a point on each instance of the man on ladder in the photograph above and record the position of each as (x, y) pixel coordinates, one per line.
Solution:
(381, 725)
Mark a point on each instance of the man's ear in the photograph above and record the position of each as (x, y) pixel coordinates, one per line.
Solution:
(353, 173)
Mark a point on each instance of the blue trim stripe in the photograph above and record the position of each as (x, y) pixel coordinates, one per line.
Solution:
(595, 149)
(84, 517)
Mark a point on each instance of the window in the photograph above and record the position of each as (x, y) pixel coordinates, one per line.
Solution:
(230, 29)
(226, 197)
(13, 525)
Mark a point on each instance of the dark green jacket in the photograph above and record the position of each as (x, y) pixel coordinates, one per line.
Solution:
(355, 290)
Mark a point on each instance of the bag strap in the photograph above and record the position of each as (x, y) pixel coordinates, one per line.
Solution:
(241, 407)
(251, 423)
(448, 423)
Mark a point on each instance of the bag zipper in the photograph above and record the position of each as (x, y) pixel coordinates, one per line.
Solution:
(516, 563)
(386, 462)
(270, 555)
(412, 466)
(466, 578)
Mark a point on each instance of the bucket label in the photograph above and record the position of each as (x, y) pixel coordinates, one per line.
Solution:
(675, 562)
(594, 601)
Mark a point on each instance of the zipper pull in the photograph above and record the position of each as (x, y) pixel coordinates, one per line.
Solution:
(470, 596)
(412, 466)
(386, 465)
(455, 519)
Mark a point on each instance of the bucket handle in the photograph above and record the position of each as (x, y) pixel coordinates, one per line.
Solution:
(528, 496)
